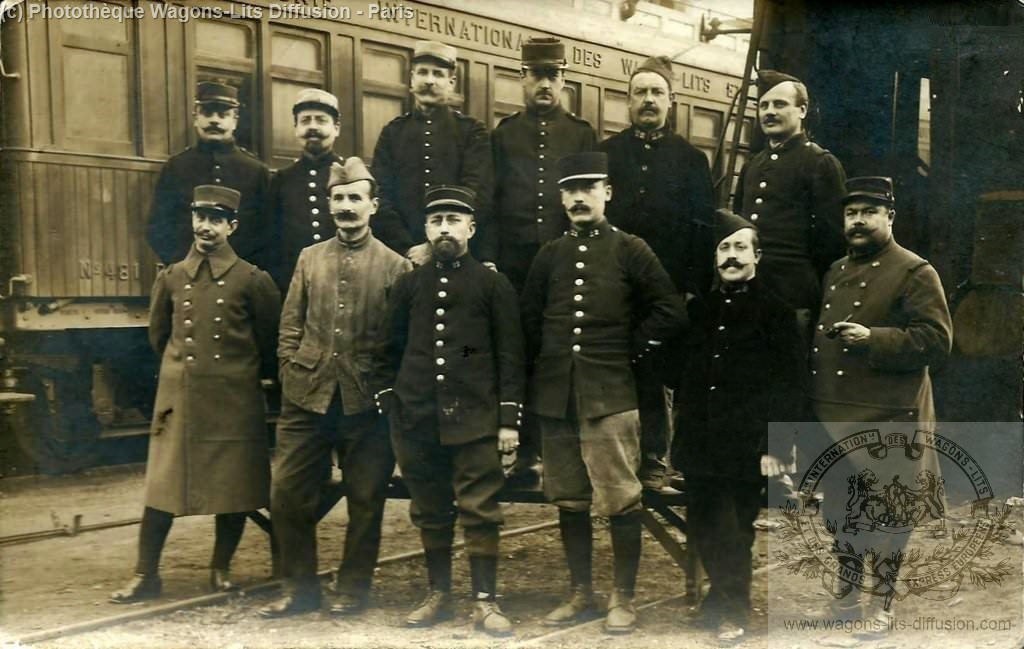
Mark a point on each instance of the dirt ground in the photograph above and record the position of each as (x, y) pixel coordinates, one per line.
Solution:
(62, 581)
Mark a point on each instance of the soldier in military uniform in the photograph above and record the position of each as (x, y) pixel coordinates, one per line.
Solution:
(215, 160)
(741, 368)
(594, 298)
(527, 209)
(450, 374)
(792, 191)
(335, 304)
(431, 145)
(298, 204)
(884, 321)
(662, 194)
(213, 321)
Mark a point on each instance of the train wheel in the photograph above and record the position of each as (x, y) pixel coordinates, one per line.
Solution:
(58, 431)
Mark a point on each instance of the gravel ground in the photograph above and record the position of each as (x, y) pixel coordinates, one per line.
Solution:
(53, 583)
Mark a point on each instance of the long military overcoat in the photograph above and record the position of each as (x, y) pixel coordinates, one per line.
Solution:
(213, 320)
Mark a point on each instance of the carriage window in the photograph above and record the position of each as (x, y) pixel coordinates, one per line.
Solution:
(298, 61)
(385, 91)
(94, 116)
(224, 39)
(508, 93)
(705, 124)
(225, 53)
(616, 113)
(924, 126)
(458, 98)
(571, 97)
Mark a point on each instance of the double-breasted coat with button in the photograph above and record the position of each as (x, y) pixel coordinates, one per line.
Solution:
(453, 351)
(213, 320)
(528, 208)
(742, 367)
(898, 295)
(592, 301)
(169, 230)
(662, 193)
(417, 151)
(300, 213)
(335, 309)
(793, 194)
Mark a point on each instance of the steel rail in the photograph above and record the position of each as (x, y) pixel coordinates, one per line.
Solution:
(217, 598)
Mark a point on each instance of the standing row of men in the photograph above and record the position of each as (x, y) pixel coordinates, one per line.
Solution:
(361, 334)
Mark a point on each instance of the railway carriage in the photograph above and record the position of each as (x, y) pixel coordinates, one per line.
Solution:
(93, 105)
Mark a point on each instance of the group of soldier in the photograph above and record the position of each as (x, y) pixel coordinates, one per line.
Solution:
(616, 279)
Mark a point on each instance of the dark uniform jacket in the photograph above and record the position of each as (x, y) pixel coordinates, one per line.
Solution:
(300, 213)
(592, 300)
(899, 296)
(742, 367)
(416, 152)
(793, 195)
(213, 320)
(662, 193)
(169, 231)
(527, 206)
(335, 308)
(452, 350)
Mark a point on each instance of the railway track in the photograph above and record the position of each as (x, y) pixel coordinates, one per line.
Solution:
(217, 598)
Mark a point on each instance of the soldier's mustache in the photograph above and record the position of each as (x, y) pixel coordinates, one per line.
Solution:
(313, 133)
(213, 129)
(579, 208)
(858, 230)
(345, 215)
(731, 263)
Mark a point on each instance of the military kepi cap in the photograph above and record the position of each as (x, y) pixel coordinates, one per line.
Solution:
(352, 171)
(876, 188)
(210, 92)
(216, 197)
(768, 79)
(316, 99)
(660, 65)
(544, 53)
(450, 197)
(592, 165)
(435, 51)
(728, 223)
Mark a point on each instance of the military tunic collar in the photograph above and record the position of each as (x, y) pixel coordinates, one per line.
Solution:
(216, 147)
(734, 287)
(601, 228)
(354, 245)
(221, 260)
(324, 159)
(553, 114)
(650, 136)
(436, 113)
(452, 265)
(800, 139)
(870, 255)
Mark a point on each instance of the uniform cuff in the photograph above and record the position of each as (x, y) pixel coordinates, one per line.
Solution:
(384, 400)
(510, 414)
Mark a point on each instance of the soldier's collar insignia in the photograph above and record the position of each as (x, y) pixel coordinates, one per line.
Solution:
(650, 136)
(448, 265)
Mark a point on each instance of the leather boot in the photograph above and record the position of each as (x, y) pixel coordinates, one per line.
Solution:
(489, 618)
(141, 587)
(621, 613)
(220, 581)
(294, 601)
(578, 605)
(434, 608)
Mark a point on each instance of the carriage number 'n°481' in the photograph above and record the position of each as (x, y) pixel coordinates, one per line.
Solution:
(87, 269)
